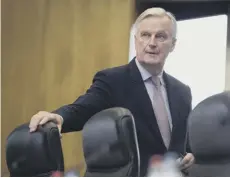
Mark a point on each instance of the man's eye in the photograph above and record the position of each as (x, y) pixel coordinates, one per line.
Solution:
(145, 34)
(161, 36)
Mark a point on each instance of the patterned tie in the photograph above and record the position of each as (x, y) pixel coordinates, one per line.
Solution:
(161, 111)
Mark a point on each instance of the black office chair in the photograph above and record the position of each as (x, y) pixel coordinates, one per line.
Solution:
(209, 131)
(110, 144)
(35, 154)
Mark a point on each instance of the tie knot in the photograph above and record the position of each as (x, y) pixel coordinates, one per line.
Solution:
(156, 81)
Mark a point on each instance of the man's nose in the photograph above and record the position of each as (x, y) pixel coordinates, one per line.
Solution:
(152, 42)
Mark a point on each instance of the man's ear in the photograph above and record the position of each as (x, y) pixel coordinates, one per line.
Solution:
(173, 44)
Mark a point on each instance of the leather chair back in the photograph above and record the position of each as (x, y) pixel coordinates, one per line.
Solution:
(34, 154)
(209, 131)
(110, 144)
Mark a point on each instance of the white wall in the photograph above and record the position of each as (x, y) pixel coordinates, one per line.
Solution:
(199, 57)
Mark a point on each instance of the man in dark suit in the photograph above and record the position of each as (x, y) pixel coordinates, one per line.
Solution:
(159, 103)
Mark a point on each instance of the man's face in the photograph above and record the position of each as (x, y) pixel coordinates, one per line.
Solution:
(154, 40)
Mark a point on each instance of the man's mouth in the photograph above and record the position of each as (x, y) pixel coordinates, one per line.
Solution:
(152, 53)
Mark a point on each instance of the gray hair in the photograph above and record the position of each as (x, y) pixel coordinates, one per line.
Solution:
(157, 12)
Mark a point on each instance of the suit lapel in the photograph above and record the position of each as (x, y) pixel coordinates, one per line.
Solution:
(143, 102)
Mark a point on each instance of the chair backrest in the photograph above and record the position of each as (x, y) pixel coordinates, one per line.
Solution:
(209, 131)
(110, 144)
(34, 154)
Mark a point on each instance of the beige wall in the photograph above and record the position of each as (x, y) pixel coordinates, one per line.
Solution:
(50, 51)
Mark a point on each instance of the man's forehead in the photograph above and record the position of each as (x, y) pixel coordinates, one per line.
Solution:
(156, 23)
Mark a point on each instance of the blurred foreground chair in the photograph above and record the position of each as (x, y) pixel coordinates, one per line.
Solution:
(110, 144)
(209, 132)
(35, 154)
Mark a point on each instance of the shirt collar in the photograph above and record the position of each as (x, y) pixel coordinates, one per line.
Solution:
(145, 74)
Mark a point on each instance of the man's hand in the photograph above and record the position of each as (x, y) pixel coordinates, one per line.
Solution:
(43, 117)
(187, 161)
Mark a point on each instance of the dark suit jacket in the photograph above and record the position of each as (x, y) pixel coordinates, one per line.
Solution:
(123, 87)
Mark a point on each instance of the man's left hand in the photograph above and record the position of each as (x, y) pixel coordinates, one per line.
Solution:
(187, 161)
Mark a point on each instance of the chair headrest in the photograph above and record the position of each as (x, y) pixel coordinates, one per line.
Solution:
(209, 128)
(34, 154)
(110, 141)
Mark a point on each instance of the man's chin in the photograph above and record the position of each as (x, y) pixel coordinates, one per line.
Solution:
(152, 61)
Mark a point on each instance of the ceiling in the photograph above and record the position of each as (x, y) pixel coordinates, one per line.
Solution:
(186, 9)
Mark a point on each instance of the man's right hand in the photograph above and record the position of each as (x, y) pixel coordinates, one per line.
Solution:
(43, 117)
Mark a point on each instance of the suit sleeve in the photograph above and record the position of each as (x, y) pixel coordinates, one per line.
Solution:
(188, 148)
(96, 99)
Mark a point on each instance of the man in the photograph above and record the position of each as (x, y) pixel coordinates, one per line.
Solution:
(160, 103)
